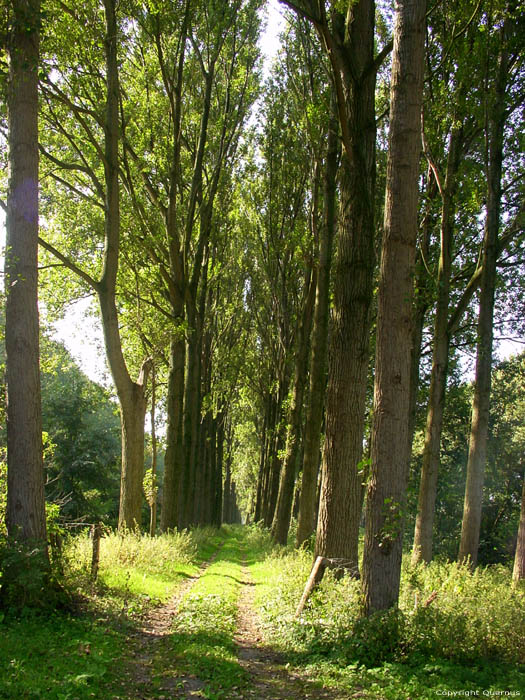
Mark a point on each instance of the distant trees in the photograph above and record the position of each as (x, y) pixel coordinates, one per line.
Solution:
(82, 426)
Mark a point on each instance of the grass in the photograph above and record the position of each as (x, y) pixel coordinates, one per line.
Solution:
(471, 637)
(205, 626)
(74, 654)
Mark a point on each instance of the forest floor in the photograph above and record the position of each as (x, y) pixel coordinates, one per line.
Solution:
(210, 615)
(152, 671)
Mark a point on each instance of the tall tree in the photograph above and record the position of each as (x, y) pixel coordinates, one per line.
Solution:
(25, 497)
(131, 393)
(347, 33)
(496, 118)
(307, 518)
(390, 446)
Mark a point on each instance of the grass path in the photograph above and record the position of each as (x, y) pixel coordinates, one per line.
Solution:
(150, 644)
(206, 641)
(270, 677)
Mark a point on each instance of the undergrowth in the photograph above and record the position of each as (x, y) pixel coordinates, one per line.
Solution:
(76, 653)
(453, 629)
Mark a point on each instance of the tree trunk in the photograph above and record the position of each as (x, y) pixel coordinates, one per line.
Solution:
(283, 510)
(173, 460)
(421, 306)
(339, 510)
(262, 464)
(314, 417)
(518, 573)
(153, 504)
(422, 548)
(192, 402)
(131, 394)
(470, 527)
(25, 514)
(386, 492)
(132, 412)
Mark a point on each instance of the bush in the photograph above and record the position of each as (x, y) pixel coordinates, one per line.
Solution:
(24, 574)
(472, 615)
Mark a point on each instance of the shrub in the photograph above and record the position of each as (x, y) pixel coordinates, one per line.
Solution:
(24, 574)
(473, 615)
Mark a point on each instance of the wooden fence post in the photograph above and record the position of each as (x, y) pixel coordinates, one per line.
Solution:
(95, 558)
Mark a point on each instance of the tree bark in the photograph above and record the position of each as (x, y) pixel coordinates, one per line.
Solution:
(131, 394)
(518, 572)
(283, 510)
(422, 548)
(386, 492)
(470, 526)
(25, 515)
(173, 460)
(314, 417)
(351, 45)
(153, 504)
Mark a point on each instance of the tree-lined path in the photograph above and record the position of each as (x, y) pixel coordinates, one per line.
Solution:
(214, 611)
(303, 270)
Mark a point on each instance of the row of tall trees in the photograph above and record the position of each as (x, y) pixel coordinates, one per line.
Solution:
(466, 219)
(273, 284)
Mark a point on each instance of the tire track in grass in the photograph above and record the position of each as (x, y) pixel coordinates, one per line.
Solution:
(150, 643)
(270, 678)
(203, 631)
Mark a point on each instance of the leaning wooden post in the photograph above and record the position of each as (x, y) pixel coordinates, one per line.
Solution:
(314, 580)
(317, 573)
(95, 558)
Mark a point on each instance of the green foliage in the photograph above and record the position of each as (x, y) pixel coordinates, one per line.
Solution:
(83, 427)
(58, 655)
(24, 575)
(447, 617)
(150, 486)
(463, 616)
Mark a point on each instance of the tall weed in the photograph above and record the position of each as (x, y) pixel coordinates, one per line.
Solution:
(444, 612)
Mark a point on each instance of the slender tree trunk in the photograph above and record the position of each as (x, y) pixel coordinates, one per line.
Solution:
(222, 465)
(216, 476)
(422, 549)
(131, 394)
(312, 433)
(274, 475)
(192, 400)
(421, 307)
(339, 510)
(25, 514)
(283, 510)
(262, 464)
(173, 460)
(518, 573)
(153, 504)
(386, 493)
(470, 527)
